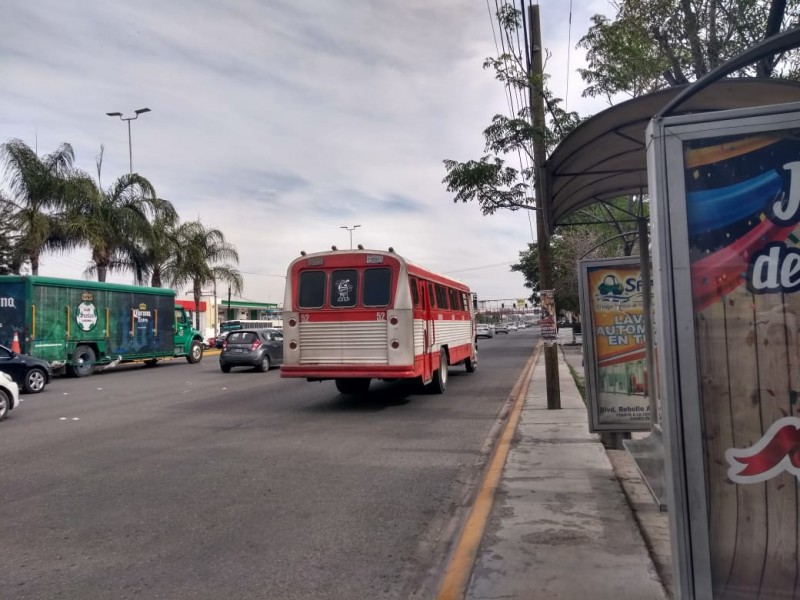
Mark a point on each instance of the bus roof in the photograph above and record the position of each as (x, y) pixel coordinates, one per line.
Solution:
(413, 269)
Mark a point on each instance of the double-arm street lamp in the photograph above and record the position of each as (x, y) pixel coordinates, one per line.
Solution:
(129, 119)
(350, 229)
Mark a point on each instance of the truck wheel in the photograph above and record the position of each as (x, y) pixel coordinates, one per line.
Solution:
(35, 381)
(439, 383)
(84, 359)
(5, 404)
(195, 353)
(151, 362)
(353, 386)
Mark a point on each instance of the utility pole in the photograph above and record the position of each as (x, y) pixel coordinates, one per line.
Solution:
(536, 99)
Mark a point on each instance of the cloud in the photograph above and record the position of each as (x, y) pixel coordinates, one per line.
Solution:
(282, 122)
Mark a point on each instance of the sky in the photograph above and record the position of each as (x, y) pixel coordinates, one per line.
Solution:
(282, 123)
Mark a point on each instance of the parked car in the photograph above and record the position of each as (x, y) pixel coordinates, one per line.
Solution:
(501, 328)
(259, 348)
(9, 394)
(220, 339)
(483, 331)
(512, 327)
(30, 373)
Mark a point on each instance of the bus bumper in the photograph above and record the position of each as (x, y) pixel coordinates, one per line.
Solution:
(319, 373)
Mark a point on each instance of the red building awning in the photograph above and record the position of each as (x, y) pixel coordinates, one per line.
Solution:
(189, 305)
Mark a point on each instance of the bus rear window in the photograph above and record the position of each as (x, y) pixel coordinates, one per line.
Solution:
(377, 287)
(344, 288)
(312, 289)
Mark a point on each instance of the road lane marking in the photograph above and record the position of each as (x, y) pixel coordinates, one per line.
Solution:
(456, 576)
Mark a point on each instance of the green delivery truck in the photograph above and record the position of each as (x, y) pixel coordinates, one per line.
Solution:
(77, 325)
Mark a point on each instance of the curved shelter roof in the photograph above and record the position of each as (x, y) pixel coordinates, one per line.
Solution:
(606, 156)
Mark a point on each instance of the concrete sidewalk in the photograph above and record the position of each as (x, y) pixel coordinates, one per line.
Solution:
(560, 526)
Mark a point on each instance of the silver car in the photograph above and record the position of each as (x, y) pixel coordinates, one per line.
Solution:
(259, 348)
(482, 330)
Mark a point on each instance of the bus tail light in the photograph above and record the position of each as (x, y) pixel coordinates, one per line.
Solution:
(293, 345)
(395, 344)
(292, 322)
(393, 320)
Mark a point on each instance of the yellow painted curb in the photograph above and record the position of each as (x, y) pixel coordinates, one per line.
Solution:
(456, 576)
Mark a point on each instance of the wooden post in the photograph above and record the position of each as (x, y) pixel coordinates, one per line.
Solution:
(536, 80)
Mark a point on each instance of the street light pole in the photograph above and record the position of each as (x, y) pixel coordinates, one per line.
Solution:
(350, 229)
(129, 119)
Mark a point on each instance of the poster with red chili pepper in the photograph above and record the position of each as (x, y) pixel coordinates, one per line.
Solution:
(742, 210)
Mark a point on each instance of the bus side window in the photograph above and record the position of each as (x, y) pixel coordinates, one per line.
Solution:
(441, 296)
(464, 302)
(431, 296)
(454, 303)
(414, 291)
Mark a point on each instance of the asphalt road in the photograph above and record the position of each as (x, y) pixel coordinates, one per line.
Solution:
(184, 482)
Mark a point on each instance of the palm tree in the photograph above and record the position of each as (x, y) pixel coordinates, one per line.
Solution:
(154, 251)
(114, 222)
(203, 258)
(10, 260)
(41, 189)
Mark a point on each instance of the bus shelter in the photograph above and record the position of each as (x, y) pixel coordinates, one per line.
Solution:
(608, 157)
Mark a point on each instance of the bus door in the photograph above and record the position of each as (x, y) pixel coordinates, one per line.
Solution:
(429, 331)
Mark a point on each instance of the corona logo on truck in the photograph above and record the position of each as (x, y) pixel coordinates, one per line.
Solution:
(80, 325)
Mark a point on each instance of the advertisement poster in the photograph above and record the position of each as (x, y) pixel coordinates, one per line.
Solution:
(614, 336)
(740, 297)
(547, 321)
(743, 205)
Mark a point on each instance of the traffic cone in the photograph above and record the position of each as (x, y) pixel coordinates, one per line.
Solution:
(15, 344)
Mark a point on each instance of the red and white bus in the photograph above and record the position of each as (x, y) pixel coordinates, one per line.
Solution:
(357, 315)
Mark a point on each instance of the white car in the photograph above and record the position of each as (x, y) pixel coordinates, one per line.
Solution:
(9, 394)
(482, 330)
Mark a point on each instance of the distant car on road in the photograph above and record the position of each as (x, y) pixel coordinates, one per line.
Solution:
(30, 373)
(482, 330)
(9, 394)
(259, 348)
(219, 342)
(501, 328)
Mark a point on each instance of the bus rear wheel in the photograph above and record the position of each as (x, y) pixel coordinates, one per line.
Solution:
(439, 383)
(471, 364)
(353, 386)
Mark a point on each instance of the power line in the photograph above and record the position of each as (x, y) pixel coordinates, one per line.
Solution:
(263, 274)
(569, 53)
(502, 264)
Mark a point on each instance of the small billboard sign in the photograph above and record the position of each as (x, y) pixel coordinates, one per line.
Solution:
(547, 320)
(615, 356)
